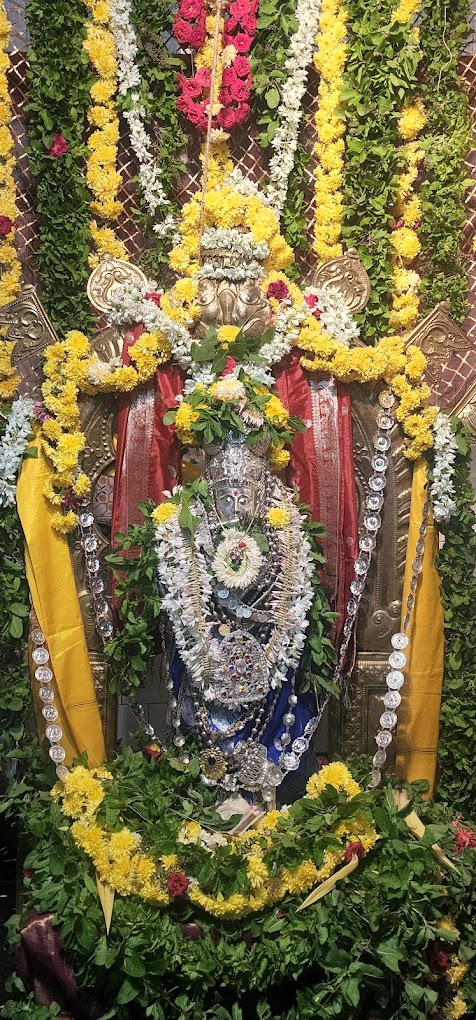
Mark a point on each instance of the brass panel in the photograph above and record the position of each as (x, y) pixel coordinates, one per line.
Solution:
(347, 274)
(354, 720)
(439, 337)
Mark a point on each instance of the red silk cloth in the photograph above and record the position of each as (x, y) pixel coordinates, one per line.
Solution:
(148, 452)
(41, 966)
(322, 468)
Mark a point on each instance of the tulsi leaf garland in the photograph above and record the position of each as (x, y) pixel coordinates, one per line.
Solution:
(382, 62)
(448, 139)
(456, 563)
(57, 103)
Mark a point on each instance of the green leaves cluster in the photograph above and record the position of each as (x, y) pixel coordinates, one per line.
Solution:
(58, 97)
(364, 946)
(456, 563)
(381, 76)
(447, 142)
(159, 62)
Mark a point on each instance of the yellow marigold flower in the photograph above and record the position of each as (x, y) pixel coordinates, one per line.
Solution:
(456, 973)
(64, 523)
(335, 774)
(405, 10)
(456, 1008)
(412, 120)
(190, 832)
(185, 291)
(89, 837)
(299, 880)
(82, 783)
(185, 416)
(278, 517)
(257, 872)
(123, 842)
(406, 242)
(275, 411)
(169, 861)
(81, 486)
(227, 334)
(279, 458)
(164, 512)
(76, 343)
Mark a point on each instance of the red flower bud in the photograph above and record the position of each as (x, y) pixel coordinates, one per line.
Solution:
(59, 147)
(156, 298)
(28, 872)
(354, 850)
(6, 225)
(152, 751)
(177, 884)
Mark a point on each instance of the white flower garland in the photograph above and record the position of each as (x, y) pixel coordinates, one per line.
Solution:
(130, 306)
(290, 111)
(442, 487)
(335, 316)
(186, 580)
(248, 563)
(150, 177)
(13, 446)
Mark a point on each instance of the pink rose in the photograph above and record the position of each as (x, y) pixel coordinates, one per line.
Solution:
(6, 225)
(59, 147)
(189, 36)
(241, 41)
(190, 9)
(193, 111)
(249, 23)
(190, 86)
(203, 77)
(240, 91)
(278, 290)
(241, 67)
(230, 365)
(242, 113)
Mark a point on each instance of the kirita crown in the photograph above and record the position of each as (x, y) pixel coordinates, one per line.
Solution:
(236, 462)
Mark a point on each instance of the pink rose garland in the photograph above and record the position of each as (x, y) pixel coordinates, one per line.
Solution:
(239, 31)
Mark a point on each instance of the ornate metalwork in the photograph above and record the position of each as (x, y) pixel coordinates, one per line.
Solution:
(347, 274)
(237, 304)
(27, 325)
(439, 337)
(466, 409)
(354, 724)
(108, 275)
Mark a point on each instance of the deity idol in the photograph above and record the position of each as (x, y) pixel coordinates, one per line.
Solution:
(238, 590)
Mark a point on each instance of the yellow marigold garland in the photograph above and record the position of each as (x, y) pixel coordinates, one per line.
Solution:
(329, 61)
(406, 281)
(102, 175)
(390, 361)
(405, 10)
(10, 268)
(122, 864)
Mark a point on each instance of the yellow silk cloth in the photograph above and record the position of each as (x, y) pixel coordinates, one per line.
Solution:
(50, 577)
(419, 714)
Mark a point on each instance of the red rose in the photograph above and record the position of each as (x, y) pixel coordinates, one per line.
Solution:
(311, 300)
(241, 67)
(241, 41)
(177, 883)
(59, 147)
(240, 7)
(240, 91)
(193, 111)
(248, 23)
(227, 118)
(28, 872)
(188, 35)
(190, 86)
(437, 959)
(203, 77)
(6, 225)
(190, 9)
(152, 750)
(154, 297)
(232, 25)
(278, 290)
(242, 113)
(354, 850)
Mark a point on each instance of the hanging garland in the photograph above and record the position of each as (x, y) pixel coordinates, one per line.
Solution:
(406, 282)
(59, 84)
(329, 62)
(102, 175)
(10, 269)
(383, 56)
(448, 140)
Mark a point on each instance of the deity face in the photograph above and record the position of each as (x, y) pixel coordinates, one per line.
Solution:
(235, 504)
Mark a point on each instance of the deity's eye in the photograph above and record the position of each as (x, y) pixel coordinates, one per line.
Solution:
(243, 501)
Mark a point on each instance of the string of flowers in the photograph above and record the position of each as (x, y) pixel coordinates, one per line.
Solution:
(10, 268)
(123, 863)
(102, 176)
(129, 78)
(445, 449)
(290, 109)
(13, 444)
(9, 378)
(329, 61)
(195, 30)
(405, 11)
(401, 367)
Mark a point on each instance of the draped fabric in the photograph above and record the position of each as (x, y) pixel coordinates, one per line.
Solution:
(148, 453)
(41, 966)
(50, 577)
(419, 713)
(322, 468)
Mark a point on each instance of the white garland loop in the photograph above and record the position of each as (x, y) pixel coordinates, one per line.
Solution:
(12, 447)
(290, 111)
(442, 487)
